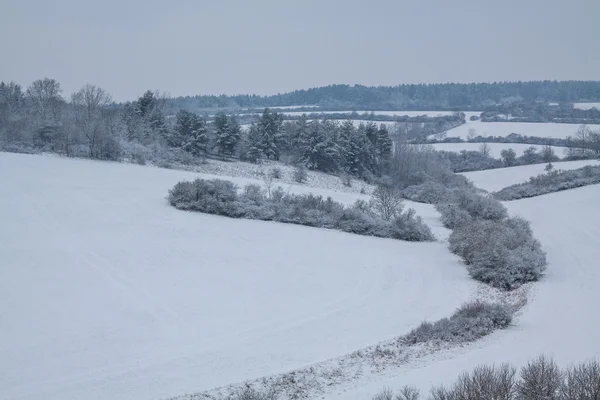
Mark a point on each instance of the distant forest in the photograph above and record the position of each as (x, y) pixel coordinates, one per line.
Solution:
(444, 96)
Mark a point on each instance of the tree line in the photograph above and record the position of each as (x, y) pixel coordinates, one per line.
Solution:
(445, 96)
(89, 124)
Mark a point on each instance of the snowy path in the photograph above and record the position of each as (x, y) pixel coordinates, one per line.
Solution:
(561, 318)
(106, 292)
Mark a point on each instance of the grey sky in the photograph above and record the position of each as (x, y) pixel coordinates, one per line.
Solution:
(258, 46)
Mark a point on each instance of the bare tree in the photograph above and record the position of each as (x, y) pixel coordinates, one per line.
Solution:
(387, 201)
(541, 379)
(485, 149)
(583, 136)
(472, 134)
(408, 393)
(45, 99)
(88, 107)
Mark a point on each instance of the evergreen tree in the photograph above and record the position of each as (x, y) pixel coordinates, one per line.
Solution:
(197, 143)
(318, 148)
(269, 125)
(347, 151)
(221, 132)
(384, 147)
(255, 150)
(234, 134)
(190, 133)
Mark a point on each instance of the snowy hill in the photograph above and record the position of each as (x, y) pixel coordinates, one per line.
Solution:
(559, 320)
(109, 293)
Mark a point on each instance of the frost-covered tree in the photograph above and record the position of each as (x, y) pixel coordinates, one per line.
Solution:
(509, 157)
(254, 141)
(387, 200)
(270, 129)
(89, 104)
(12, 108)
(224, 143)
(190, 133)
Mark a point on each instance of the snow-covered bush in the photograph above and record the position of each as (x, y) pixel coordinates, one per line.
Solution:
(429, 192)
(214, 196)
(452, 215)
(409, 226)
(552, 181)
(275, 173)
(470, 322)
(501, 253)
(221, 197)
(478, 206)
(300, 175)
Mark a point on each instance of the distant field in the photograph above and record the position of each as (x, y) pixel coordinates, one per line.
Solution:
(495, 179)
(495, 148)
(546, 130)
(394, 113)
(587, 106)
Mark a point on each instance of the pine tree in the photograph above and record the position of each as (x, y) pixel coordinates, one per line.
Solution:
(269, 126)
(221, 132)
(190, 133)
(255, 152)
(384, 147)
(197, 143)
(347, 151)
(234, 134)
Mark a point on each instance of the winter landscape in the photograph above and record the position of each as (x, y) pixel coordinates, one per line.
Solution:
(213, 240)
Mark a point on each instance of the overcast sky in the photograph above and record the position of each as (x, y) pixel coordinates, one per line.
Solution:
(192, 47)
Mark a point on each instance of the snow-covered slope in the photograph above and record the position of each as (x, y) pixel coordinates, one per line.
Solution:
(496, 179)
(106, 292)
(561, 318)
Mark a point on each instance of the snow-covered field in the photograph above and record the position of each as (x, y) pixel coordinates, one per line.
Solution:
(495, 179)
(546, 130)
(561, 318)
(394, 113)
(586, 106)
(495, 148)
(107, 292)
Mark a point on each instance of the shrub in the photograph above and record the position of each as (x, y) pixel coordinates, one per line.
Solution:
(478, 206)
(408, 226)
(275, 173)
(502, 253)
(300, 174)
(452, 215)
(221, 198)
(210, 196)
(346, 179)
(427, 192)
(469, 323)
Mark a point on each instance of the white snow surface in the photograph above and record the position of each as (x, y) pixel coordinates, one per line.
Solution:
(586, 106)
(493, 180)
(393, 113)
(495, 148)
(560, 319)
(545, 130)
(107, 292)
